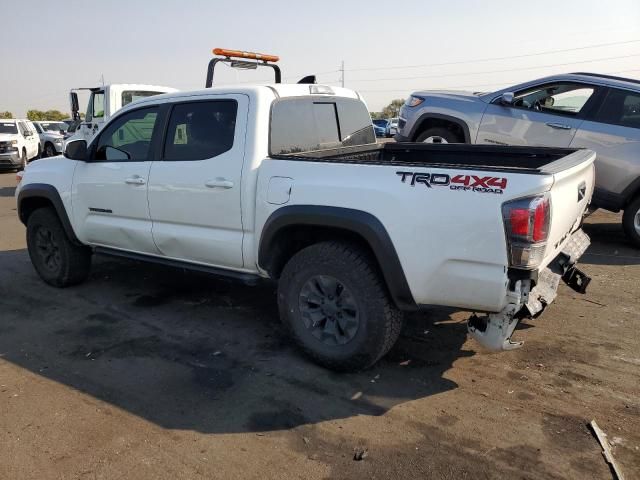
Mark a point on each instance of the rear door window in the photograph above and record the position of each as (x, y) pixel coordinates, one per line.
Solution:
(305, 124)
(200, 130)
(620, 107)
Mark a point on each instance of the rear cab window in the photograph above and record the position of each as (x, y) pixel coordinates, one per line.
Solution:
(306, 124)
(129, 96)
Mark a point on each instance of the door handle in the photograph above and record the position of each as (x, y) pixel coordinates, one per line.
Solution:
(135, 181)
(219, 183)
(560, 126)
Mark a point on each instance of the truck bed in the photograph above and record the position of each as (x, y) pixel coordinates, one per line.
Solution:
(532, 160)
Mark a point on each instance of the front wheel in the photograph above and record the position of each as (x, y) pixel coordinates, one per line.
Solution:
(336, 307)
(437, 135)
(49, 150)
(58, 261)
(23, 160)
(631, 222)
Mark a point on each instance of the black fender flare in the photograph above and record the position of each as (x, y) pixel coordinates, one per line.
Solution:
(50, 193)
(426, 116)
(361, 223)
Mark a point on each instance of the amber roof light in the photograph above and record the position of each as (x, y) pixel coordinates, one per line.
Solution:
(240, 54)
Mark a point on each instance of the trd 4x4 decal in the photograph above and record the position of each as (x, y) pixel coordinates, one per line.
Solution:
(472, 183)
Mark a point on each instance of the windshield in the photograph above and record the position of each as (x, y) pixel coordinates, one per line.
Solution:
(380, 122)
(8, 127)
(54, 126)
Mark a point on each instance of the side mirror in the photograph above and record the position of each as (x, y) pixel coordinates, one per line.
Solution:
(75, 106)
(76, 150)
(507, 98)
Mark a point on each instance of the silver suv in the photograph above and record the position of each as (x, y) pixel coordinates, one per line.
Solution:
(599, 112)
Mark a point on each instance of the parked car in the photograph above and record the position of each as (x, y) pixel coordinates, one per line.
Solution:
(19, 143)
(287, 182)
(577, 110)
(392, 126)
(52, 136)
(380, 127)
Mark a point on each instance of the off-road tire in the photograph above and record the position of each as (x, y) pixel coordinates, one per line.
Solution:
(73, 261)
(447, 135)
(380, 321)
(629, 220)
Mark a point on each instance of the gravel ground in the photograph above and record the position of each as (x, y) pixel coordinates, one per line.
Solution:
(151, 372)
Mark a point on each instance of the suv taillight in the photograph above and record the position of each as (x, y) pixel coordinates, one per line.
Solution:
(526, 223)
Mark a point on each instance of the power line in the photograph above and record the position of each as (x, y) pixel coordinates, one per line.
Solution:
(495, 71)
(488, 59)
(472, 86)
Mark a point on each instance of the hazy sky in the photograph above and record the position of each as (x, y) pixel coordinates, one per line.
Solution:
(51, 46)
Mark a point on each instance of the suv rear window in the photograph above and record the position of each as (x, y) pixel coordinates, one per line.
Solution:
(621, 107)
(305, 124)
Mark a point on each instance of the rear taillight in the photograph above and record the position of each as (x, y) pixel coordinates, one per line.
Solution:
(526, 222)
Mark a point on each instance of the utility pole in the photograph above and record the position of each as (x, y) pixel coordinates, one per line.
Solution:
(342, 71)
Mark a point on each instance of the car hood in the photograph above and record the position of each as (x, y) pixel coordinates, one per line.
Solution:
(453, 94)
(7, 137)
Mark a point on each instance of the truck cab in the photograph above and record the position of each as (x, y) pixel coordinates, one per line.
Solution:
(105, 101)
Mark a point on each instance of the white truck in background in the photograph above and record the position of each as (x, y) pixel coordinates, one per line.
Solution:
(104, 102)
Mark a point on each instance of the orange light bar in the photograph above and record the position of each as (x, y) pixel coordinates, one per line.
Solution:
(240, 54)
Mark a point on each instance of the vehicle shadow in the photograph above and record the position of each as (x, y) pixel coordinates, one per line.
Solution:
(7, 191)
(609, 245)
(186, 351)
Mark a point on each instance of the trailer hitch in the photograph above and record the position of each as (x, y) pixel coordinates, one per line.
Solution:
(576, 279)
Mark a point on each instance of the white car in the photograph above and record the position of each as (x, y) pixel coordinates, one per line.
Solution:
(51, 137)
(19, 143)
(286, 182)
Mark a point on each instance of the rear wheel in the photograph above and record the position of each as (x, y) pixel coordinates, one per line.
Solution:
(336, 307)
(438, 135)
(58, 261)
(631, 222)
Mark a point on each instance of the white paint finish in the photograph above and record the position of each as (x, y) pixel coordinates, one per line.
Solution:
(195, 206)
(451, 244)
(103, 185)
(279, 190)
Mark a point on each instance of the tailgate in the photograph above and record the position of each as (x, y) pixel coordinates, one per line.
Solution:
(573, 183)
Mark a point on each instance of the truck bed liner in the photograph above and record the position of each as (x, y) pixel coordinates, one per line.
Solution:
(477, 157)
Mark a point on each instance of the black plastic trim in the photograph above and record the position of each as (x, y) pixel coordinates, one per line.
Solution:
(247, 278)
(355, 221)
(49, 192)
(417, 126)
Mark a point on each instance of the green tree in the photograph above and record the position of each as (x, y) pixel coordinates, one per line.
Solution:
(52, 115)
(6, 115)
(393, 109)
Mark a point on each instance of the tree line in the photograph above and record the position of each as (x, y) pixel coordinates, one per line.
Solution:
(390, 111)
(38, 115)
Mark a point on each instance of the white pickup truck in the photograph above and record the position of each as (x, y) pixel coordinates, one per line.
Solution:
(286, 182)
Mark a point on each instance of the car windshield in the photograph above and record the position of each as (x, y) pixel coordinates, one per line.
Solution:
(54, 126)
(8, 127)
(380, 123)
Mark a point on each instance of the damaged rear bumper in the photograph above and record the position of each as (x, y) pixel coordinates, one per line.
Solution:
(494, 331)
